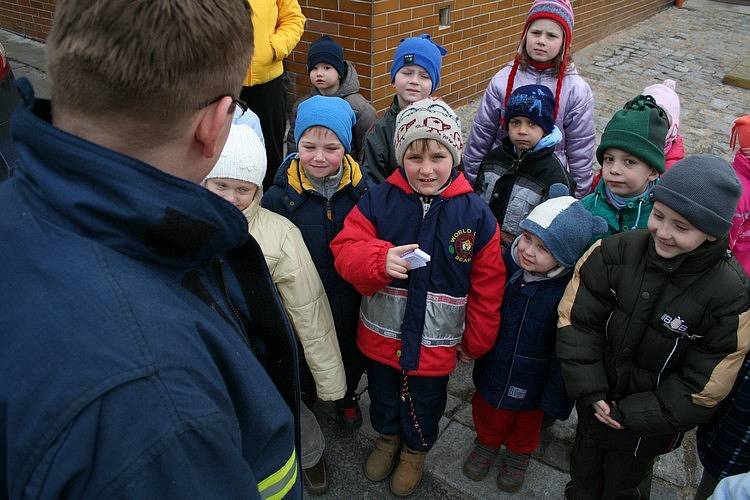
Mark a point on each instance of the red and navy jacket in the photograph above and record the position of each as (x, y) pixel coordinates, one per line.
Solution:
(416, 323)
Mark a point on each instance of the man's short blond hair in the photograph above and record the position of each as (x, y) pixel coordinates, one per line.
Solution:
(155, 61)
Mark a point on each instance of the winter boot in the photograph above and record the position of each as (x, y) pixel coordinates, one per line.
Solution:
(478, 464)
(408, 474)
(383, 457)
(513, 471)
(315, 478)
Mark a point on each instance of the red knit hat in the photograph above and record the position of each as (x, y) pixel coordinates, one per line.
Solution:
(560, 11)
(740, 133)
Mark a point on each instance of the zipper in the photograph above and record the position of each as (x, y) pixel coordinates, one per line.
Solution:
(217, 263)
(515, 349)
(658, 380)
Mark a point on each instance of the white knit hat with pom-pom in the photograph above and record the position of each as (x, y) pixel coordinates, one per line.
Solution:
(243, 157)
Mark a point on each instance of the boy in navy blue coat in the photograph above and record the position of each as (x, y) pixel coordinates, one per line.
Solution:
(519, 380)
(316, 188)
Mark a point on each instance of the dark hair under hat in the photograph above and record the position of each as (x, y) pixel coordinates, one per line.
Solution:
(536, 103)
(704, 189)
(326, 50)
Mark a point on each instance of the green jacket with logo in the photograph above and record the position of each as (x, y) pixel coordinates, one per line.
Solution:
(633, 216)
(662, 338)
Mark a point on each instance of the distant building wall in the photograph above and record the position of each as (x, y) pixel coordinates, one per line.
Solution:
(480, 37)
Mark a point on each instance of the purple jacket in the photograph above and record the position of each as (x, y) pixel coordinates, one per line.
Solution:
(575, 120)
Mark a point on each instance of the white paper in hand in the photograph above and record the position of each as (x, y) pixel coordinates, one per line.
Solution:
(416, 259)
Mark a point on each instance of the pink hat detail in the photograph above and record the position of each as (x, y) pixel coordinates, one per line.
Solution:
(667, 99)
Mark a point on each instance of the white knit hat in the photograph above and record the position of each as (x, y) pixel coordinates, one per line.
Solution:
(243, 157)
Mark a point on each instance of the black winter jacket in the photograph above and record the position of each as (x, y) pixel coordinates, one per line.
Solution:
(378, 154)
(513, 184)
(662, 338)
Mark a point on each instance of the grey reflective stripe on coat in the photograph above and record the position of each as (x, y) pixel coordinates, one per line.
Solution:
(525, 195)
(383, 314)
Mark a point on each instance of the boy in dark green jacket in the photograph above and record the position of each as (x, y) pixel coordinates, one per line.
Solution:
(652, 331)
(415, 74)
(631, 153)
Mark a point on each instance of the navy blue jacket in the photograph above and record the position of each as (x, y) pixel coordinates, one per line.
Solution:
(123, 372)
(521, 372)
(320, 220)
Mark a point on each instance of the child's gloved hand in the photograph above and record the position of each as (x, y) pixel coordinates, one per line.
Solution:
(602, 413)
(395, 266)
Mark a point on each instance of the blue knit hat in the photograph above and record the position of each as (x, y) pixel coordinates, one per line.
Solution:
(326, 50)
(422, 51)
(333, 113)
(565, 227)
(536, 103)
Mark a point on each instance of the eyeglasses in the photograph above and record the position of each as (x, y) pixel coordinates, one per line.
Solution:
(236, 103)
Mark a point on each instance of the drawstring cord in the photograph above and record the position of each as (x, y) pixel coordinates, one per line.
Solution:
(406, 397)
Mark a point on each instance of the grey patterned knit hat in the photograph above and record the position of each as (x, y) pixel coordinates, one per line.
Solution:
(704, 189)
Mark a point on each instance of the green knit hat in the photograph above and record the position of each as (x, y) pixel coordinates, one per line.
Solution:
(639, 129)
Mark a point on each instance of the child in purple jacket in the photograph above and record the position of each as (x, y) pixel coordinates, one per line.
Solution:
(543, 58)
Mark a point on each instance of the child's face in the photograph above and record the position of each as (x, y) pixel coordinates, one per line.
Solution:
(428, 166)
(524, 133)
(238, 193)
(624, 174)
(413, 83)
(320, 152)
(544, 40)
(325, 78)
(533, 256)
(673, 234)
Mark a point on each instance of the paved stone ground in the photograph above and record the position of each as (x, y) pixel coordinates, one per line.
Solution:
(694, 46)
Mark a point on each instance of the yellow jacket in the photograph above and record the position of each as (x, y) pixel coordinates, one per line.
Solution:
(277, 26)
(306, 303)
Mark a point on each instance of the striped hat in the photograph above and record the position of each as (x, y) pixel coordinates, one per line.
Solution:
(560, 11)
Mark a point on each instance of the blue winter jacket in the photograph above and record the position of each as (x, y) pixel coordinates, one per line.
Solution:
(320, 220)
(123, 372)
(521, 371)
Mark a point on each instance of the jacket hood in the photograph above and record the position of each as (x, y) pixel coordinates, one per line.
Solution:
(458, 186)
(741, 165)
(135, 208)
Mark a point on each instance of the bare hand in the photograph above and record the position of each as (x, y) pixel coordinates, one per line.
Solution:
(462, 356)
(602, 412)
(395, 266)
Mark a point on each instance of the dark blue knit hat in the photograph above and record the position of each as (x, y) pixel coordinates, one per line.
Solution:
(422, 51)
(536, 103)
(326, 50)
(564, 225)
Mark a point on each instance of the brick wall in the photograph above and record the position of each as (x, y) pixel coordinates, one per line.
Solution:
(31, 18)
(481, 37)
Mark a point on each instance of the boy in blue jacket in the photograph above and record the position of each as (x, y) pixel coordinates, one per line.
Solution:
(316, 188)
(518, 381)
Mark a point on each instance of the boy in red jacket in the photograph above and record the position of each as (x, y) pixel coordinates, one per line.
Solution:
(416, 317)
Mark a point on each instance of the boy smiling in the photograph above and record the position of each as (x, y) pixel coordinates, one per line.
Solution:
(652, 332)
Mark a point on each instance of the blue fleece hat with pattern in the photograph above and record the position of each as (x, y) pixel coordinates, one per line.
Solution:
(536, 103)
(333, 113)
(422, 51)
(564, 225)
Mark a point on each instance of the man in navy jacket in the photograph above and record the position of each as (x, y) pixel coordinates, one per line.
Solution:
(128, 363)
